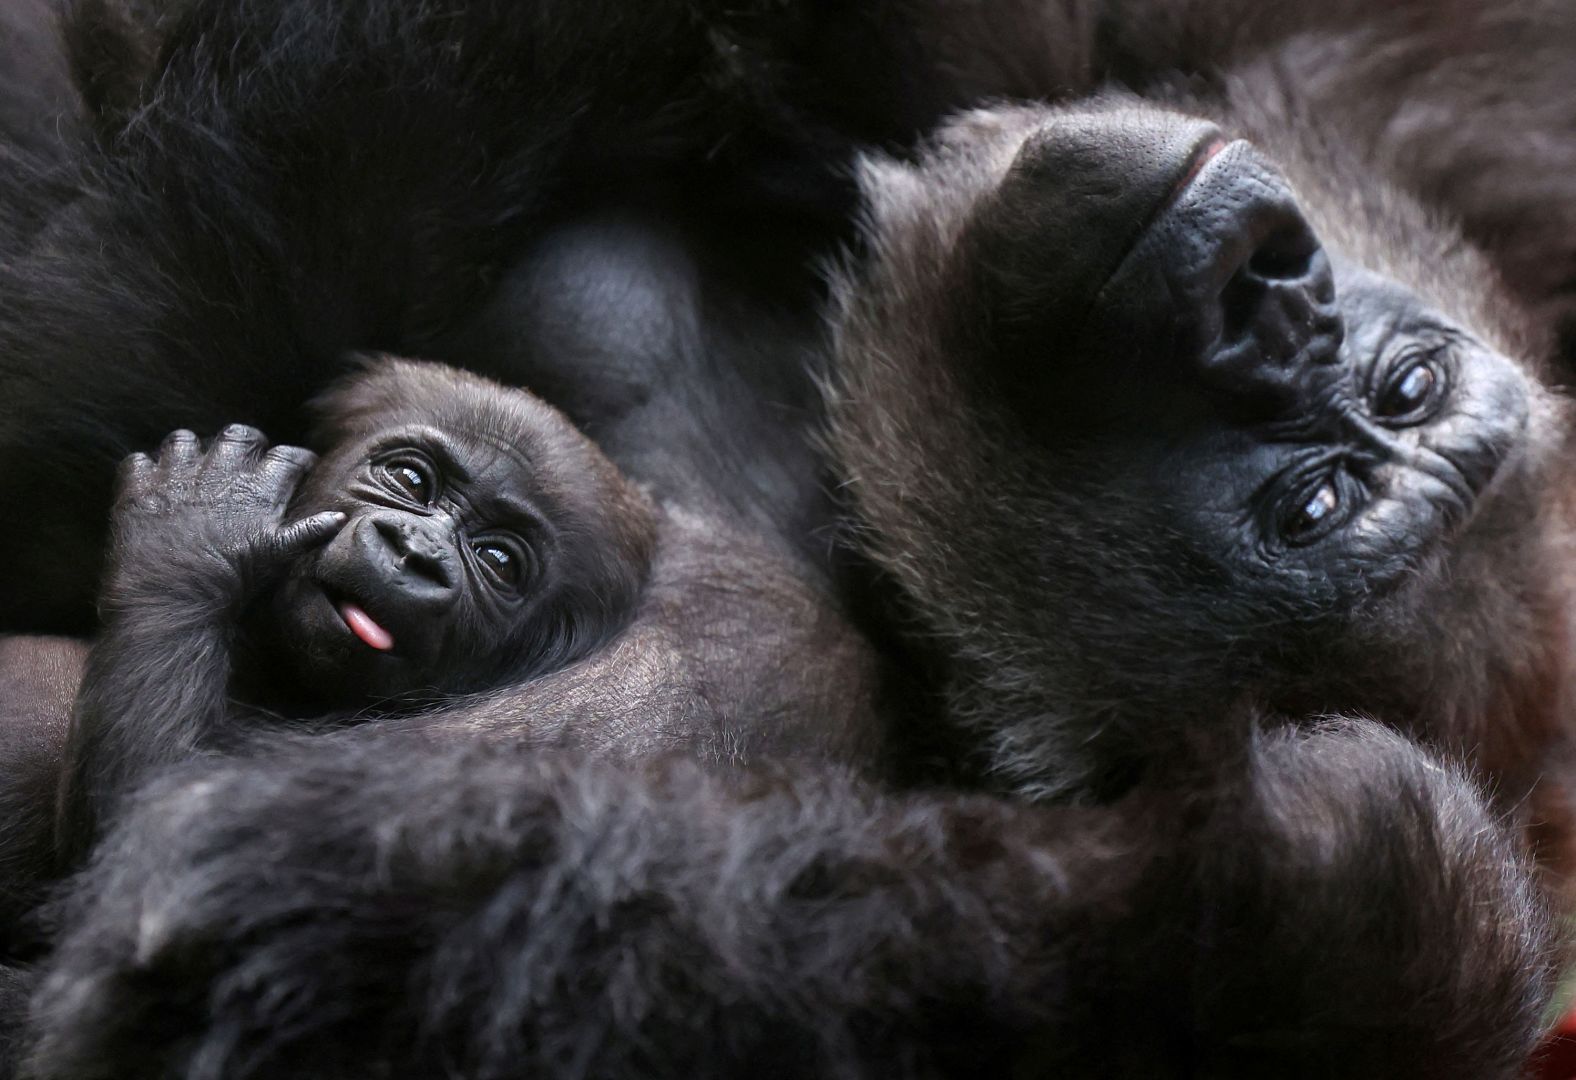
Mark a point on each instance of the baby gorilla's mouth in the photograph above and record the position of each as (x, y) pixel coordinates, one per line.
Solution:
(367, 629)
(364, 626)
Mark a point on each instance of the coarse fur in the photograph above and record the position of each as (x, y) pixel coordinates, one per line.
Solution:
(500, 914)
(236, 291)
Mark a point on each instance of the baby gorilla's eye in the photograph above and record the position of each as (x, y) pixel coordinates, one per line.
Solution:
(1314, 516)
(410, 477)
(1408, 392)
(502, 561)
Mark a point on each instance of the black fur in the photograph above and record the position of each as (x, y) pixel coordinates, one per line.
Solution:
(499, 914)
(1280, 903)
(368, 172)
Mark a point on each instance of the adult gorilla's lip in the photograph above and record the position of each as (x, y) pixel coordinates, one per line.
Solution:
(1193, 164)
(1202, 155)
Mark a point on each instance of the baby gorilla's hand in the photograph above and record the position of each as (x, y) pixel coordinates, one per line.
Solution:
(209, 521)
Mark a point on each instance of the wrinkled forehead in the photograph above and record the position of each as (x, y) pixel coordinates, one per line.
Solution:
(504, 462)
(497, 420)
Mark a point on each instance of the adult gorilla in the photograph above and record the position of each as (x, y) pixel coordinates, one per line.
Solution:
(329, 907)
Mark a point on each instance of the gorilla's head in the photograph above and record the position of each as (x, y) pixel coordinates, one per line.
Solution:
(486, 539)
(1199, 453)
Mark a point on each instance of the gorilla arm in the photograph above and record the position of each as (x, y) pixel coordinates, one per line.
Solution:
(1333, 901)
(197, 532)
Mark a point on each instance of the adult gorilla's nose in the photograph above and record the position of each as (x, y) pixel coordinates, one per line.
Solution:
(1228, 292)
(1250, 284)
(1132, 262)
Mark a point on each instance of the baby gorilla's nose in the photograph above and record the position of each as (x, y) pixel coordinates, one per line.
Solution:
(420, 547)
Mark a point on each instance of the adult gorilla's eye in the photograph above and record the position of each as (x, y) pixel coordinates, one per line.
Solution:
(1407, 393)
(410, 477)
(502, 561)
(1315, 514)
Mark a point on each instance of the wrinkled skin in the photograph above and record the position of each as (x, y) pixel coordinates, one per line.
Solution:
(483, 533)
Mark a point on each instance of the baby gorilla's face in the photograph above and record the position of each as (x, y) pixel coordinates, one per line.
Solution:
(485, 541)
(447, 553)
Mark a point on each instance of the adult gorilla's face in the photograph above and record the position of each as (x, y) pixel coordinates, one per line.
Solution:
(1348, 463)
(1217, 454)
(1301, 427)
(1318, 428)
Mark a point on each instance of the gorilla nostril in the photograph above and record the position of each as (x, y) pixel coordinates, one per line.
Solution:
(1285, 274)
(430, 565)
(1286, 256)
(391, 533)
(1239, 302)
(1274, 314)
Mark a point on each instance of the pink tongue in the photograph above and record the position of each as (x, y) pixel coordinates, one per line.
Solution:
(363, 627)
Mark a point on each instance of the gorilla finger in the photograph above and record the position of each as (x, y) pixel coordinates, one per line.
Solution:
(179, 448)
(303, 535)
(237, 441)
(287, 461)
(134, 473)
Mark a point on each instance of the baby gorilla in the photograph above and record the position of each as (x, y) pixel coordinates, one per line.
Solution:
(455, 536)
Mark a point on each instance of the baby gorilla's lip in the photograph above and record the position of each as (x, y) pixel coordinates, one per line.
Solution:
(364, 626)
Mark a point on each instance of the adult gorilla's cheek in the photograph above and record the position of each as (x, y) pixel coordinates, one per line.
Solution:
(1485, 427)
